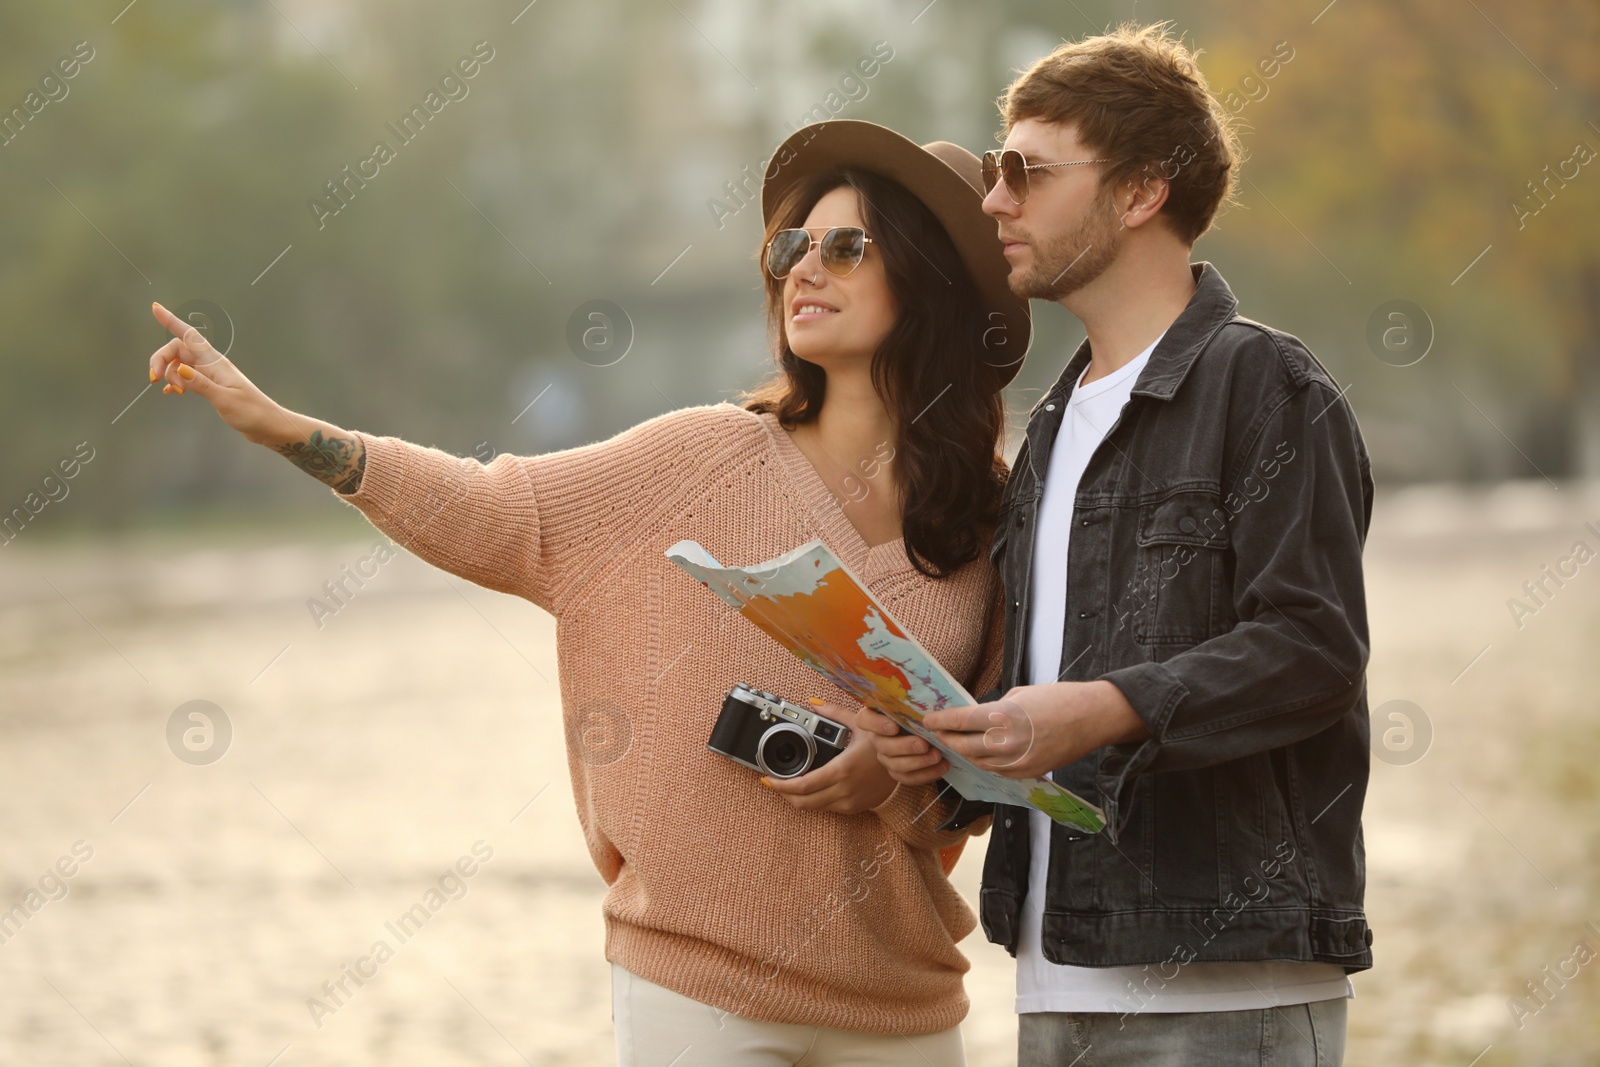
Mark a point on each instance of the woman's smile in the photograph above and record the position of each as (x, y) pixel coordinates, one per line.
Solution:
(810, 309)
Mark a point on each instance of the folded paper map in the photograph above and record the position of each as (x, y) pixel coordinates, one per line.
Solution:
(811, 604)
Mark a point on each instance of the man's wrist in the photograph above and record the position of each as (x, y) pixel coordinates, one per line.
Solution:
(1118, 719)
(1100, 714)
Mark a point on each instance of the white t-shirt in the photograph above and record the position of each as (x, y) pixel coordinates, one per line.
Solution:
(1045, 986)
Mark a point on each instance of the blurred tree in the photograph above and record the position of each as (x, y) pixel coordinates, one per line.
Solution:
(1410, 139)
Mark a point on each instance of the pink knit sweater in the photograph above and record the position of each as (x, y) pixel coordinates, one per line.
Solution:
(719, 888)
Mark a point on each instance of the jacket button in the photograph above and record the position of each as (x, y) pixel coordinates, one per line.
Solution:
(1368, 937)
(1008, 822)
(1188, 525)
(1049, 407)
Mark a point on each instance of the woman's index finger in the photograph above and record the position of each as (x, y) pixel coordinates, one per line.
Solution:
(175, 326)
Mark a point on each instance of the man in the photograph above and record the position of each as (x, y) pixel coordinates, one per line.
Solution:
(1186, 626)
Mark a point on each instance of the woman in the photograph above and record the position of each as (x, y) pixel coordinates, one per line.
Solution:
(757, 920)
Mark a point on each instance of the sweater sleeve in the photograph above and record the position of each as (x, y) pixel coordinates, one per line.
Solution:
(530, 525)
(914, 814)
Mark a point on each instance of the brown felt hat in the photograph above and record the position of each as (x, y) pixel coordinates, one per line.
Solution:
(945, 177)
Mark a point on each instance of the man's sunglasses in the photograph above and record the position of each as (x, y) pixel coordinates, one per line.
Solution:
(1011, 166)
(842, 249)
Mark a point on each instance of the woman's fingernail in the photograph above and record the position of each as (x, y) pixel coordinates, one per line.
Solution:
(765, 782)
(166, 388)
(816, 700)
(153, 374)
(179, 389)
(186, 370)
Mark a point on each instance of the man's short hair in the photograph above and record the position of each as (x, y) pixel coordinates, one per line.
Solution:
(1137, 97)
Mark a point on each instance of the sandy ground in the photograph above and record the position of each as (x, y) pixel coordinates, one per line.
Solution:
(207, 903)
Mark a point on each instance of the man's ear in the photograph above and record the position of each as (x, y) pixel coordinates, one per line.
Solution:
(1141, 197)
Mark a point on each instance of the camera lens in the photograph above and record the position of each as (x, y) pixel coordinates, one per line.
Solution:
(785, 751)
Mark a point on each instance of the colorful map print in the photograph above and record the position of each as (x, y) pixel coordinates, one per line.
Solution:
(811, 604)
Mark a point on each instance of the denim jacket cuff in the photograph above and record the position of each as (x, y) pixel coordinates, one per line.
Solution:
(1154, 691)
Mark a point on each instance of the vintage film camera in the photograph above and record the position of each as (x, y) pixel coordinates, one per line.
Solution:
(768, 734)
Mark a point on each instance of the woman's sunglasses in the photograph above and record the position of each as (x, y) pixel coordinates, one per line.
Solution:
(1011, 166)
(842, 249)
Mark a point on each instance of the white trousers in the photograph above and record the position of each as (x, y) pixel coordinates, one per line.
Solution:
(657, 1027)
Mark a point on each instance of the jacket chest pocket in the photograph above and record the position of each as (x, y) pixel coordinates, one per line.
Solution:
(1181, 569)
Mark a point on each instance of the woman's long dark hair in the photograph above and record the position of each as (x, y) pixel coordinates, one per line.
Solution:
(929, 370)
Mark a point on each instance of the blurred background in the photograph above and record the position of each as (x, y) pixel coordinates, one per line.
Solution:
(1420, 204)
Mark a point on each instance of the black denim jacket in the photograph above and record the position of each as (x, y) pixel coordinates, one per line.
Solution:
(1215, 578)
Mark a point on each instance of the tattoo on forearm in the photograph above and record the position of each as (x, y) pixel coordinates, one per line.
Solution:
(338, 461)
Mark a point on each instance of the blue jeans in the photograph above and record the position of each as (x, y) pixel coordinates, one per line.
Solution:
(1295, 1035)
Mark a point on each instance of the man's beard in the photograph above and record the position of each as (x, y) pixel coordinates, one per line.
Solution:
(1065, 264)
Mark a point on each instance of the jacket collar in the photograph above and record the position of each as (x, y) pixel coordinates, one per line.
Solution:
(1210, 306)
